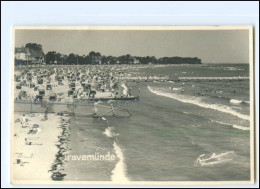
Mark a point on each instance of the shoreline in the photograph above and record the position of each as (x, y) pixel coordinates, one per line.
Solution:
(62, 145)
(88, 140)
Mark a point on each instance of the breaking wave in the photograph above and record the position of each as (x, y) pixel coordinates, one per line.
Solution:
(174, 89)
(198, 102)
(119, 172)
(241, 127)
(244, 128)
(234, 101)
(110, 133)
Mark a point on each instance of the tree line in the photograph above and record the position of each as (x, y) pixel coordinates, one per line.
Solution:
(97, 58)
(53, 57)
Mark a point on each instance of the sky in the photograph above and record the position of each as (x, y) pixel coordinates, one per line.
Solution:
(211, 46)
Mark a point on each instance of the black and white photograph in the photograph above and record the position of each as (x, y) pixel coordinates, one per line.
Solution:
(130, 94)
(132, 104)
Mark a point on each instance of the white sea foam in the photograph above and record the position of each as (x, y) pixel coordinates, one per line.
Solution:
(170, 81)
(197, 101)
(119, 172)
(222, 123)
(207, 160)
(246, 102)
(174, 89)
(109, 132)
(241, 127)
(234, 101)
(234, 126)
(232, 68)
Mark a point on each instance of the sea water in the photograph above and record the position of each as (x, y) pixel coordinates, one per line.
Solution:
(178, 131)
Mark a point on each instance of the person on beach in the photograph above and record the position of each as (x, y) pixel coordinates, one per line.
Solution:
(16, 135)
(29, 142)
(129, 91)
(46, 113)
(182, 91)
(24, 121)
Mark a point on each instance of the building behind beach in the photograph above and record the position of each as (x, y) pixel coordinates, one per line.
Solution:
(29, 55)
(134, 60)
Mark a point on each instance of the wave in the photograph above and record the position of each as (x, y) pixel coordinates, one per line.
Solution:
(244, 128)
(213, 159)
(221, 123)
(227, 99)
(110, 133)
(218, 97)
(234, 101)
(246, 102)
(174, 89)
(119, 172)
(198, 102)
(232, 68)
(241, 127)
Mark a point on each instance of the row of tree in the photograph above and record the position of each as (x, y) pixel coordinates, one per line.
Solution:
(93, 57)
(53, 57)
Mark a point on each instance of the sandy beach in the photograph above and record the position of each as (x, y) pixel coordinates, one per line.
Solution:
(32, 162)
